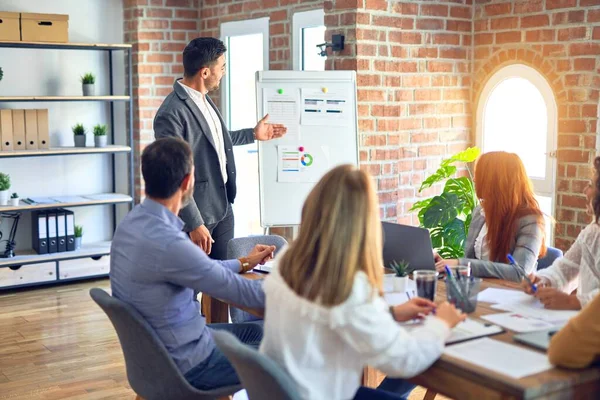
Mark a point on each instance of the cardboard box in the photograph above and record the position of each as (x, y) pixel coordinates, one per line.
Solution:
(44, 28)
(9, 27)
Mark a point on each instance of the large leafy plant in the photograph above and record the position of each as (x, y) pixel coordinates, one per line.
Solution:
(447, 216)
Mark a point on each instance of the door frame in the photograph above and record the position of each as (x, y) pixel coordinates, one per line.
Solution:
(301, 20)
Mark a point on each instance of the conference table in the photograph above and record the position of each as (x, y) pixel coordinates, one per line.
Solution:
(458, 379)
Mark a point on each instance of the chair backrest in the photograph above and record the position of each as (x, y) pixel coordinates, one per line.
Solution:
(240, 247)
(261, 377)
(151, 371)
(551, 255)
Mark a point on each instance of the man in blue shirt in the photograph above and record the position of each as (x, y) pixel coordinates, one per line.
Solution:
(155, 267)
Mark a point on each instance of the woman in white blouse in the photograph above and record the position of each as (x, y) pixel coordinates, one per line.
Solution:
(580, 267)
(325, 317)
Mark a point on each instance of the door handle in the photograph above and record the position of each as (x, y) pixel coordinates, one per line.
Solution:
(551, 154)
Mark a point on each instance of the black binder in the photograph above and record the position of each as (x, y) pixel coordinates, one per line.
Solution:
(39, 232)
(70, 232)
(61, 230)
(51, 226)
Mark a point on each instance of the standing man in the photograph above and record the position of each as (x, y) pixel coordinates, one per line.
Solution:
(190, 114)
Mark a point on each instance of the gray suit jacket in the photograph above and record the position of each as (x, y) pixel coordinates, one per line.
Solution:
(179, 116)
(525, 249)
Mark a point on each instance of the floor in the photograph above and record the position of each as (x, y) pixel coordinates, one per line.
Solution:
(55, 343)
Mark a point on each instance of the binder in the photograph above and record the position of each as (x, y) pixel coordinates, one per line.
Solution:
(18, 120)
(70, 221)
(51, 226)
(31, 130)
(39, 236)
(6, 130)
(61, 230)
(43, 133)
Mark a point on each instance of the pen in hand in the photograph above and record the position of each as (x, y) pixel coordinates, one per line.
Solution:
(521, 272)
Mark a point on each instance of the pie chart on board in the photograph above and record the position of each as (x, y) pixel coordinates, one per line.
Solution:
(306, 160)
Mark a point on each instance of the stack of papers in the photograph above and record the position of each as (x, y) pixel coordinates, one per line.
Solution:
(466, 330)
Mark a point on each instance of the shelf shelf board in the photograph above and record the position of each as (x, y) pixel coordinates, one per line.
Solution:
(88, 200)
(64, 46)
(64, 151)
(6, 99)
(30, 256)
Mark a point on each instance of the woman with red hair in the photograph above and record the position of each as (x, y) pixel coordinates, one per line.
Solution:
(508, 221)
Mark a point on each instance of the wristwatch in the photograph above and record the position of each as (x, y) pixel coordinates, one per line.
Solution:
(245, 265)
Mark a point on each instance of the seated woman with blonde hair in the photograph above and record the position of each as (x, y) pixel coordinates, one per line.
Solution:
(580, 267)
(325, 317)
(508, 221)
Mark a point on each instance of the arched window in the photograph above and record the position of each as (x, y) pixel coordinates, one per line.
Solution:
(517, 113)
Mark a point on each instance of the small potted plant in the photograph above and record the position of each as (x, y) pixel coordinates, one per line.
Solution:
(100, 135)
(400, 275)
(4, 186)
(87, 84)
(14, 200)
(78, 236)
(79, 135)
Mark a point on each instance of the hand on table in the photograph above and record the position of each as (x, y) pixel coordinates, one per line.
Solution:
(554, 299)
(440, 266)
(449, 314)
(415, 308)
(538, 281)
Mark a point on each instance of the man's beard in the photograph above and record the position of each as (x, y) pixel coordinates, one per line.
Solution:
(187, 197)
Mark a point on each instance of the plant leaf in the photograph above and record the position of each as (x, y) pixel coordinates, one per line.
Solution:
(463, 188)
(420, 204)
(442, 209)
(445, 171)
(437, 238)
(455, 233)
(466, 156)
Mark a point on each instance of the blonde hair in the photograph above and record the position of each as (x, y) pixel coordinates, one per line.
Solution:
(340, 234)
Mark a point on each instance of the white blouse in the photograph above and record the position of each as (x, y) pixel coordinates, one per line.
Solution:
(482, 251)
(325, 349)
(579, 268)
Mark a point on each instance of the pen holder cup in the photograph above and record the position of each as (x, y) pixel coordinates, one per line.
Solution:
(466, 299)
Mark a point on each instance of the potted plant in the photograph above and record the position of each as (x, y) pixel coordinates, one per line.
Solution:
(100, 135)
(447, 216)
(79, 135)
(87, 84)
(78, 236)
(14, 200)
(4, 186)
(400, 279)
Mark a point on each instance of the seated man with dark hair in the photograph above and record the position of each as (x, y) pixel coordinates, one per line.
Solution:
(155, 268)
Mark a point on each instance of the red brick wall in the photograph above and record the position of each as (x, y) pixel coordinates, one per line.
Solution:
(159, 31)
(560, 38)
(413, 60)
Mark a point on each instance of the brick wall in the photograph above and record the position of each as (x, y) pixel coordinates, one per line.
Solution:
(413, 62)
(559, 38)
(159, 31)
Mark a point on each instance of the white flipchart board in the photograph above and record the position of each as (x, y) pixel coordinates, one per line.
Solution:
(319, 110)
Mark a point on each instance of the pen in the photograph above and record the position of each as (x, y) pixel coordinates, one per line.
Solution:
(520, 271)
(454, 283)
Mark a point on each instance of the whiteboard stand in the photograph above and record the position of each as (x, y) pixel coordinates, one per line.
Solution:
(320, 112)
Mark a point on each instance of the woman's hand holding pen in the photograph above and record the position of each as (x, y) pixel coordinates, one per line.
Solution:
(536, 280)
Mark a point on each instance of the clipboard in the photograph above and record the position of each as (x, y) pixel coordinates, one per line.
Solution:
(471, 329)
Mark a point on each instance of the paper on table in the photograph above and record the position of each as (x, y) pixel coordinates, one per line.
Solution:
(70, 199)
(395, 298)
(470, 329)
(283, 109)
(532, 307)
(499, 296)
(500, 357)
(517, 322)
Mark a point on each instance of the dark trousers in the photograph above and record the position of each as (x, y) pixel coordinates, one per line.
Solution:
(216, 371)
(222, 233)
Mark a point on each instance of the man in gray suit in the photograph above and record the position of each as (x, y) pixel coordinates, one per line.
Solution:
(190, 114)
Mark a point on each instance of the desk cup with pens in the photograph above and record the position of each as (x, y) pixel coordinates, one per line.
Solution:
(463, 294)
(426, 282)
